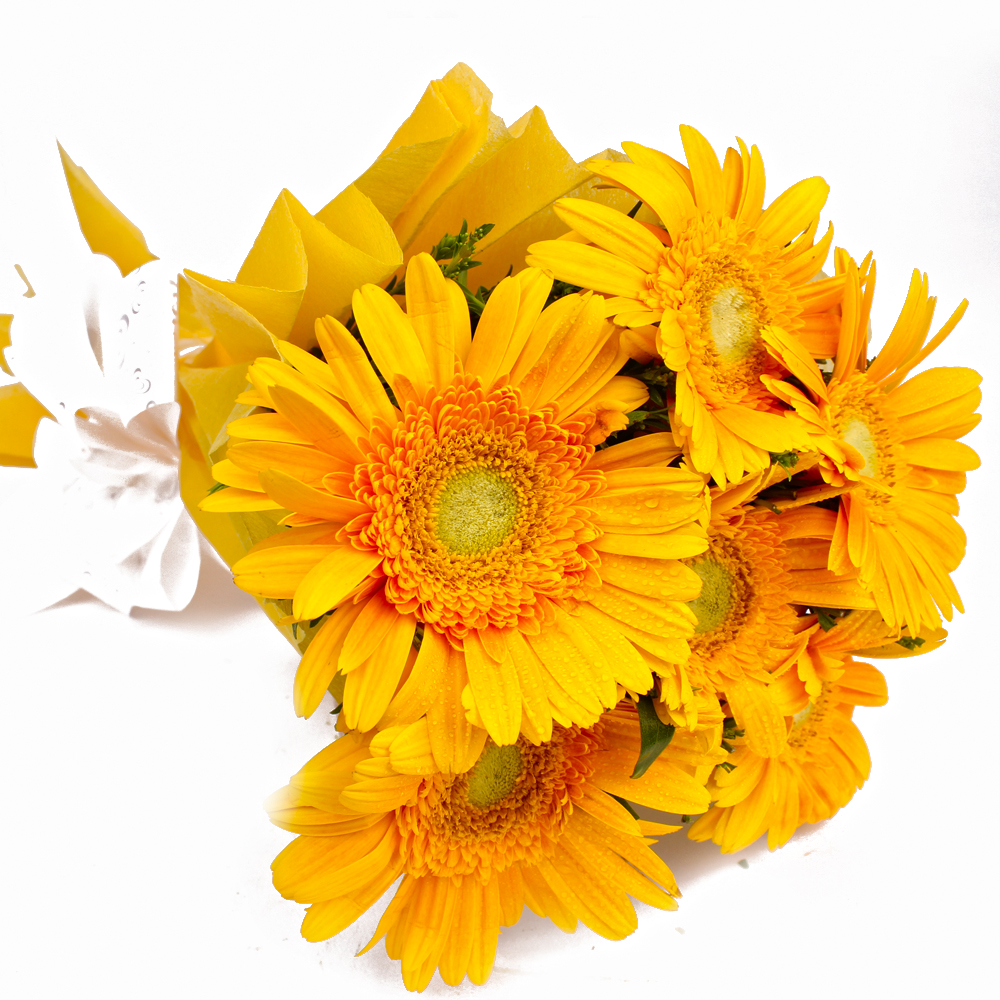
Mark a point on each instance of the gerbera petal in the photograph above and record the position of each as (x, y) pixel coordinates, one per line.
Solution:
(309, 465)
(374, 626)
(331, 580)
(231, 500)
(665, 192)
(612, 231)
(487, 931)
(933, 388)
(670, 545)
(541, 899)
(311, 869)
(356, 379)
(578, 890)
(494, 331)
(266, 427)
(589, 267)
(664, 786)
(392, 341)
(293, 494)
(437, 309)
(752, 197)
(495, 687)
(792, 211)
(370, 686)
(324, 920)
(706, 173)
(942, 453)
(770, 431)
(319, 662)
(330, 426)
(464, 929)
(614, 869)
(279, 571)
(648, 450)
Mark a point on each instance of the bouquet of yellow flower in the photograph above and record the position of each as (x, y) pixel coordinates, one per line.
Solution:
(577, 489)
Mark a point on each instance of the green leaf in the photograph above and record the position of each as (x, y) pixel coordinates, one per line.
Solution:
(910, 642)
(825, 621)
(336, 711)
(560, 289)
(786, 459)
(217, 487)
(655, 736)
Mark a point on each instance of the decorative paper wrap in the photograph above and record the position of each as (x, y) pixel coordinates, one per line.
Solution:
(102, 512)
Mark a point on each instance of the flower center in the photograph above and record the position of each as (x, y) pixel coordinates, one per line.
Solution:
(724, 307)
(512, 806)
(731, 318)
(479, 509)
(494, 776)
(476, 511)
(860, 419)
(726, 596)
(858, 435)
(743, 612)
(713, 604)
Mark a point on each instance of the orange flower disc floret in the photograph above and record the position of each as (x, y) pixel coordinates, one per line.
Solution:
(511, 807)
(743, 612)
(723, 289)
(476, 508)
(856, 414)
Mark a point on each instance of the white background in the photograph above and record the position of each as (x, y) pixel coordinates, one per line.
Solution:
(136, 750)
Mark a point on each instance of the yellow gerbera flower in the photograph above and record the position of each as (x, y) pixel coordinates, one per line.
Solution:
(731, 287)
(513, 826)
(757, 576)
(477, 510)
(898, 442)
(822, 763)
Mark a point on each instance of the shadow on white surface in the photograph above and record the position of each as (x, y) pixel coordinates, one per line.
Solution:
(216, 600)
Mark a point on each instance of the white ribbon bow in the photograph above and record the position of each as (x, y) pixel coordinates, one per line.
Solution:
(102, 512)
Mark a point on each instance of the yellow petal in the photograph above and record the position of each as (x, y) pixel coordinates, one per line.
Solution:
(706, 173)
(792, 211)
(612, 231)
(941, 453)
(295, 495)
(436, 307)
(233, 499)
(319, 662)
(495, 689)
(5, 323)
(370, 686)
(663, 191)
(309, 465)
(331, 580)
(278, 571)
(266, 427)
(330, 426)
(393, 343)
(589, 267)
(664, 786)
(758, 714)
(356, 379)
